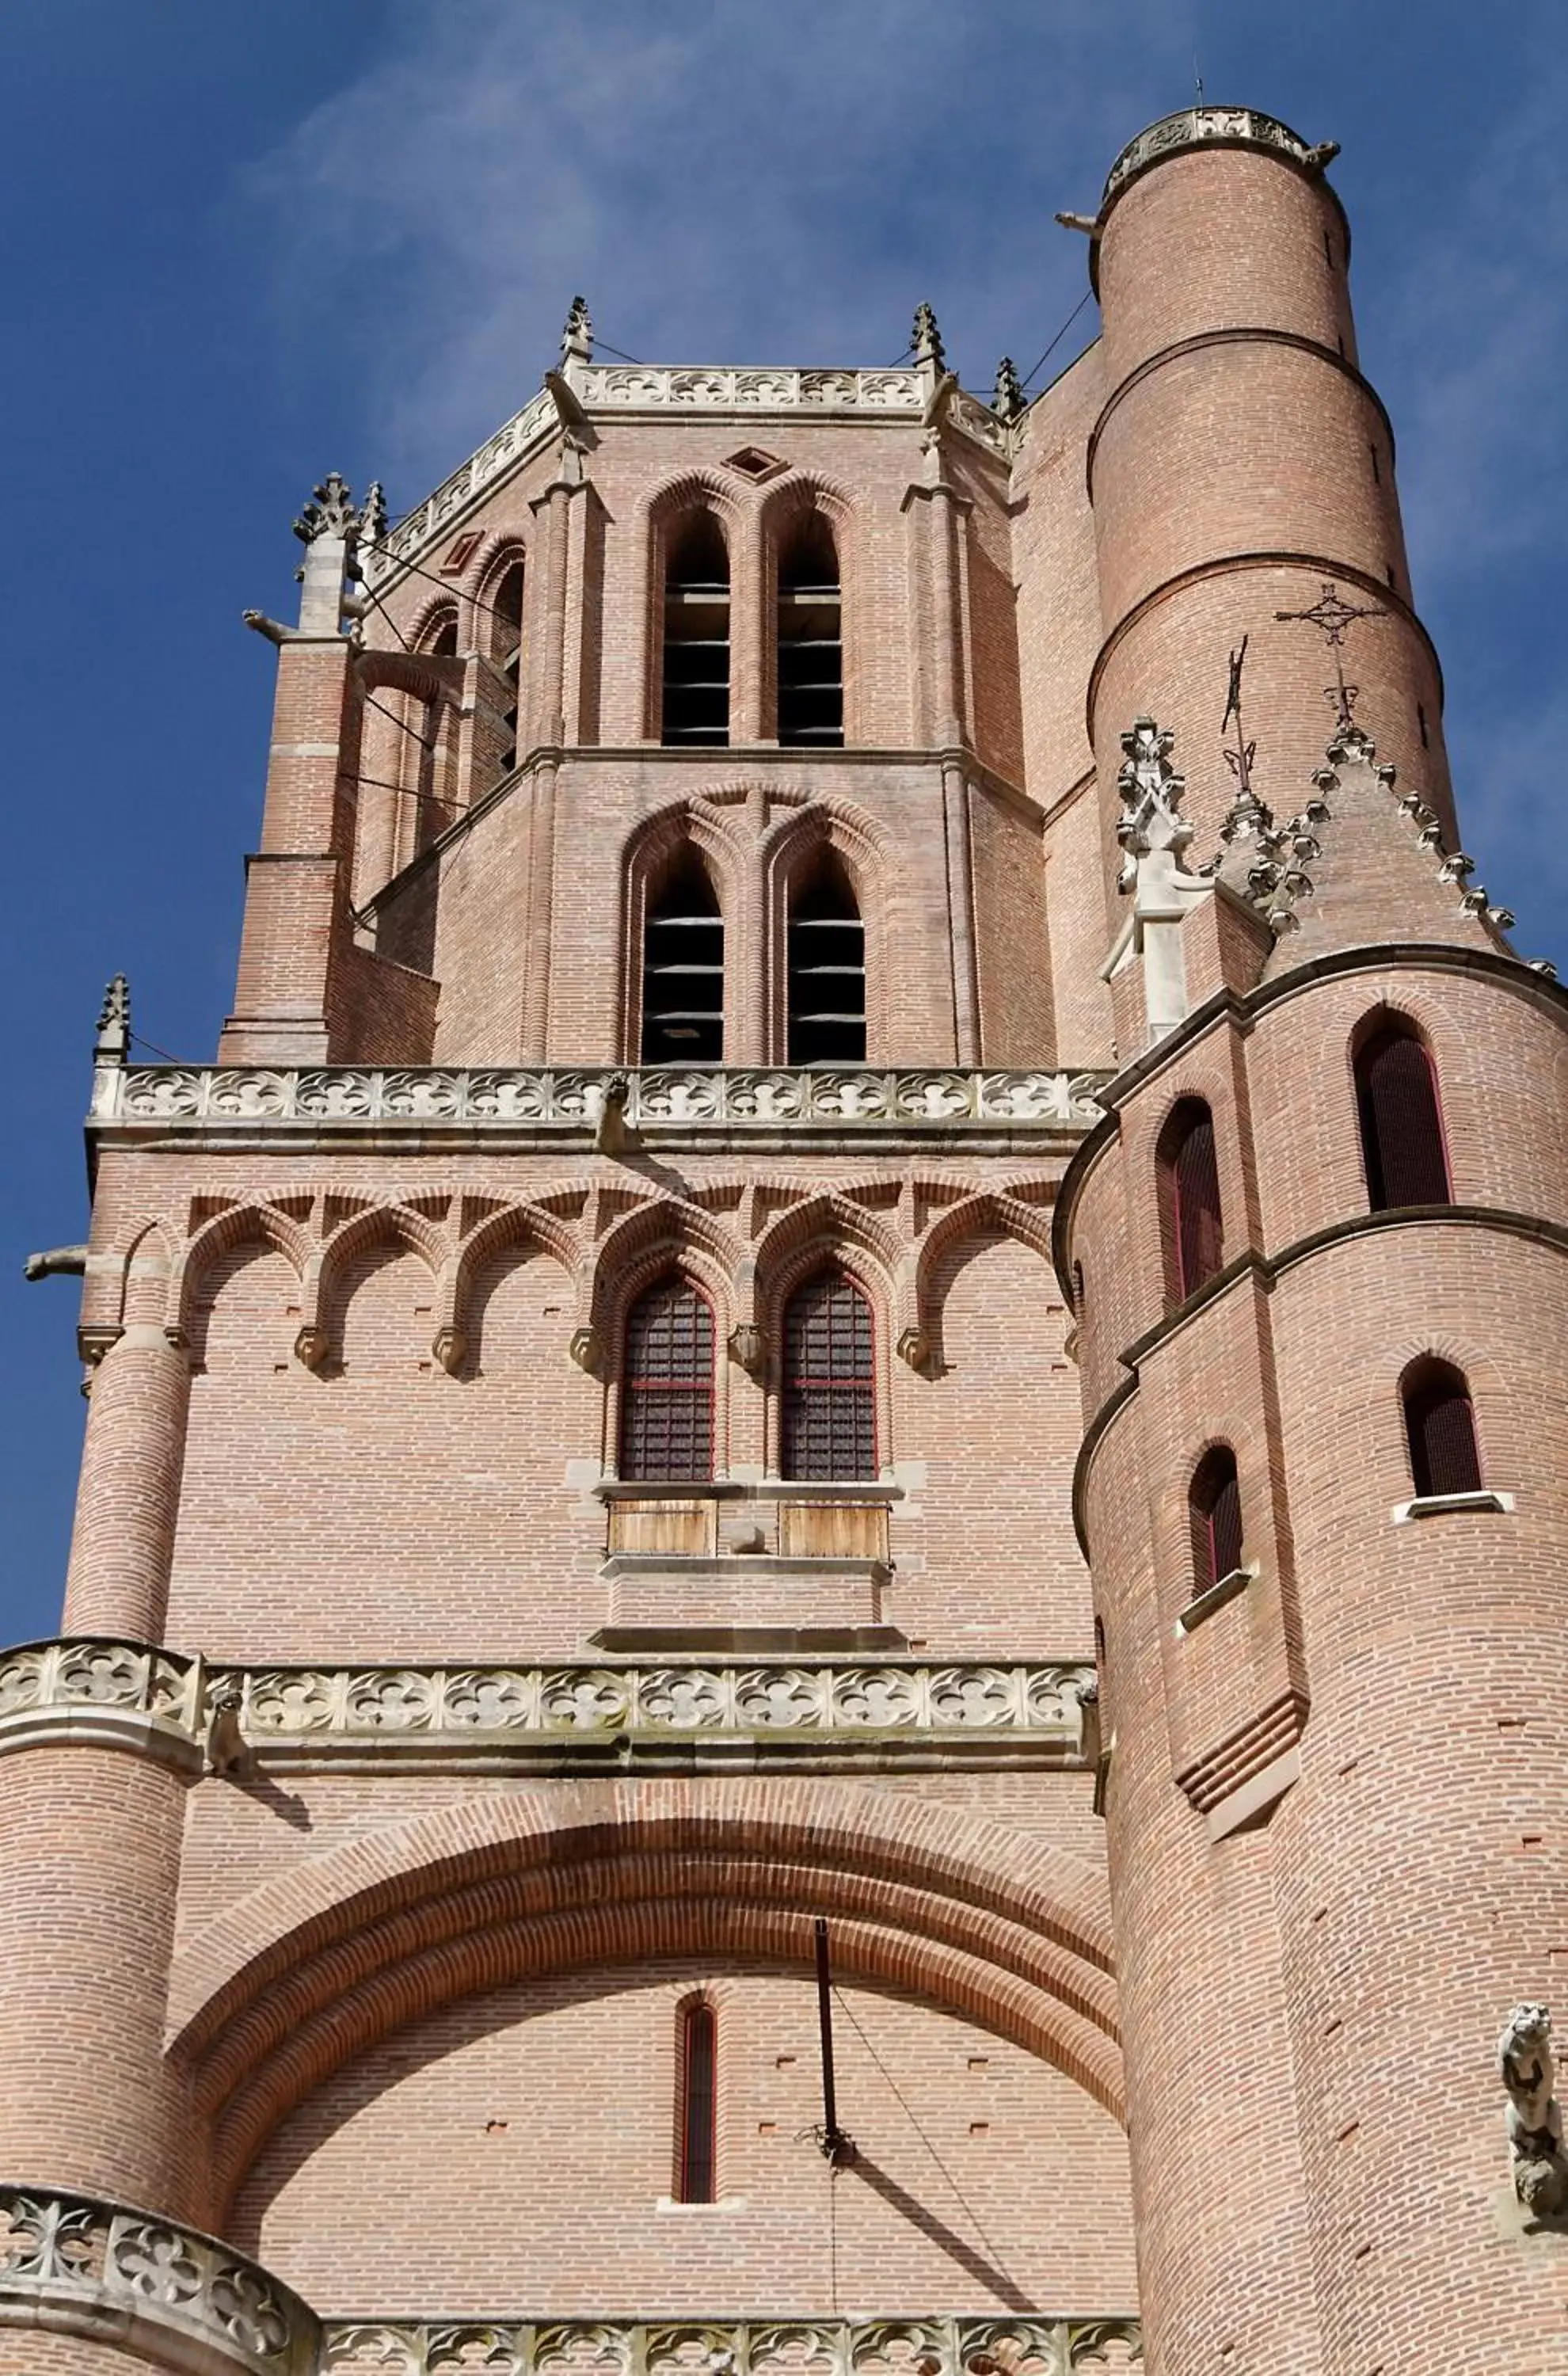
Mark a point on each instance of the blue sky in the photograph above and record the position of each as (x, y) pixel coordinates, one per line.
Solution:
(249, 245)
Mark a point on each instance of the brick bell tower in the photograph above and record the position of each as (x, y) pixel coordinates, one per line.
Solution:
(817, 1613)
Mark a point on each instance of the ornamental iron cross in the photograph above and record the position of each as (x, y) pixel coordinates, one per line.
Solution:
(1333, 617)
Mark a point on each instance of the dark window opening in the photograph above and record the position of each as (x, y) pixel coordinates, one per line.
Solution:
(1187, 1178)
(697, 2158)
(1377, 474)
(506, 643)
(1440, 1429)
(811, 647)
(1401, 1122)
(683, 970)
(1214, 1517)
(827, 970)
(830, 1415)
(1421, 724)
(437, 723)
(697, 634)
(667, 1385)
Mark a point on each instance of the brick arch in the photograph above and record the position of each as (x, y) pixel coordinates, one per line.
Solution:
(433, 612)
(992, 1214)
(666, 1232)
(316, 1965)
(242, 1225)
(517, 1225)
(647, 849)
(389, 1225)
(146, 1275)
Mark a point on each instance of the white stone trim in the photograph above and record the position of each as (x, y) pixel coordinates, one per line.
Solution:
(1438, 1506)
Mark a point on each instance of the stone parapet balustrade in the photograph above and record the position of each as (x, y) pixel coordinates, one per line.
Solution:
(1017, 2345)
(73, 2265)
(820, 1712)
(1203, 127)
(859, 1102)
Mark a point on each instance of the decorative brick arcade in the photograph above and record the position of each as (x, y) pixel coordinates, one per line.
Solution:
(844, 1265)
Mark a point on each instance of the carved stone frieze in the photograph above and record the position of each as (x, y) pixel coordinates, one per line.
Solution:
(811, 2346)
(1201, 127)
(716, 1097)
(546, 1713)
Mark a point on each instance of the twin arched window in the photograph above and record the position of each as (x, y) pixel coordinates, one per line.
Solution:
(1401, 1122)
(1187, 1182)
(682, 968)
(828, 1404)
(809, 674)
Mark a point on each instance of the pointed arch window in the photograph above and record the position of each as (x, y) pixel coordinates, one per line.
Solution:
(1214, 1517)
(1440, 1429)
(696, 634)
(829, 1407)
(1187, 1176)
(1397, 1107)
(696, 2123)
(682, 1012)
(436, 723)
(811, 646)
(506, 650)
(828, 969)
(667, 1384)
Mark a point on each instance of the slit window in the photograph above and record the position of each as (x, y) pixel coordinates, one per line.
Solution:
(1214, 1517)
(667, 1385)
(683, 1020)
(827, 970)
(1440, 1431)
(1187, 1173)
(811, 647)
(697, 634)
(1401, 1122)
(697, 2134)
(829, 1410)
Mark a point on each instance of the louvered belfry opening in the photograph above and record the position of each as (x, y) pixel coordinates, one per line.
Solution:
(682, 1014)
(507, 644)
(697, 634)
(829, 1409)
(828, 969)
(1401, 1119)
(1214, 1513)
(811, 646)
(696, 2140)
(667, 1384)
(437, 722)
(1440, 1431)
(1187, 1176)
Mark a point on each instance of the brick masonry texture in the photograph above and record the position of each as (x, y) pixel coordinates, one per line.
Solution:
(1195, 2024)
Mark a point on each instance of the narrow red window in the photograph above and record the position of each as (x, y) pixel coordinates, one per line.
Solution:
(1401, 1120)
(830, 1415)
(667, 1385)
(1187, 1182)
(696, 2158)
(1214, 1514)
(1440, 1429)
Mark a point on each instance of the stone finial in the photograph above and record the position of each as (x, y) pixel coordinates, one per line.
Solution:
(113, 1044)
(576, 335)
(1151, 792)
(330, 512)
(1007, 402)
(372, 515)
(1534, 2119)
(926, 338)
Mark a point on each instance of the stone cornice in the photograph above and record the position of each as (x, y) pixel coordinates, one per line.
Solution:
(420, 1110)
(76, 2264)
(565, 1717)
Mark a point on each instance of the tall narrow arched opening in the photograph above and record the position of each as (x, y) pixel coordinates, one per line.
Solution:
(695, 708)
(1400, 1116)
(810, 645)
(1213, 1518)
(667, 1384)
(1192, 1233)
(433, 748)
(1440, 1429)
(826, 961)
(506, 650)
(682, 977)
(828, 1415)
(697, 2106)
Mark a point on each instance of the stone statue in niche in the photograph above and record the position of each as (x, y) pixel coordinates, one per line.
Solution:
(1525, 2066)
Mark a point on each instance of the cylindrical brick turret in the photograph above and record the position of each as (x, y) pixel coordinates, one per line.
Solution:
(1239, 462)
(128, 1500)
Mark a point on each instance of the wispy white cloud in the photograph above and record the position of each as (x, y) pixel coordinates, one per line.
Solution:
(724, 178)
